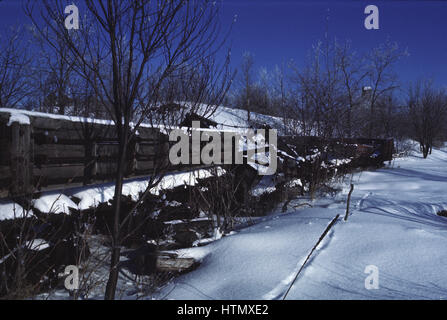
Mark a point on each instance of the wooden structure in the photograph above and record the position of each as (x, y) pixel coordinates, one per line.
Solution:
(50, 151)
(361, 152)
(40, 151)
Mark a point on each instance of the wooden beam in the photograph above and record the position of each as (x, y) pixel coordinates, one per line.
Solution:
(59, 151)
(144, 165)
(64, 171)
(21, 167)
(174, 264)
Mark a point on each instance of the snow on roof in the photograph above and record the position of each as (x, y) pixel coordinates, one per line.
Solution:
(20, 113)
(226, 118)
(18, 117)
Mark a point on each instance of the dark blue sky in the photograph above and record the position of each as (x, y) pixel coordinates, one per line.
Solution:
(276, 31)
(282, 30)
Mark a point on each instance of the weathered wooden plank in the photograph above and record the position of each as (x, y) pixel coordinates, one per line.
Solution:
(60, 171)
(144, 165)
(49, 123)
(72, 131)
(195, 224)
(73, 136)
(148, 133)
(90, 162)
(177, 264)
(21, 168)
(59, 151)
(146, 149)
(42, 161)
(63, 124)
(5, 154)
(150, 157)
(106, 168)
(57, 137)
(108, 150)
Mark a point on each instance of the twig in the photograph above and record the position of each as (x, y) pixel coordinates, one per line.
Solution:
(349, 200)
(313, 249)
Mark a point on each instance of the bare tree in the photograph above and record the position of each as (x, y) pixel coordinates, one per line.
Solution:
(381, 77)
(53, 72)
(329, 94)
(281, 93)
(352, 75)
(390, 117)
(218, 198)
(427, 108)
(130, 48)
(263, 93)
(247, 80)
(320, 91)
(14, 68)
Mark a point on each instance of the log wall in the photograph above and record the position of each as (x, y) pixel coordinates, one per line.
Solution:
(51, 153)
(54, 152)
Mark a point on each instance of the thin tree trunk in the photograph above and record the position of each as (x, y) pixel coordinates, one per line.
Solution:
(116, 249)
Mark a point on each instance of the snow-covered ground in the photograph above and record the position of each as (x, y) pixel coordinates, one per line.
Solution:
(393, 227)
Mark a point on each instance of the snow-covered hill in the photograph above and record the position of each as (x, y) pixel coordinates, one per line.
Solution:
(228, 118)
